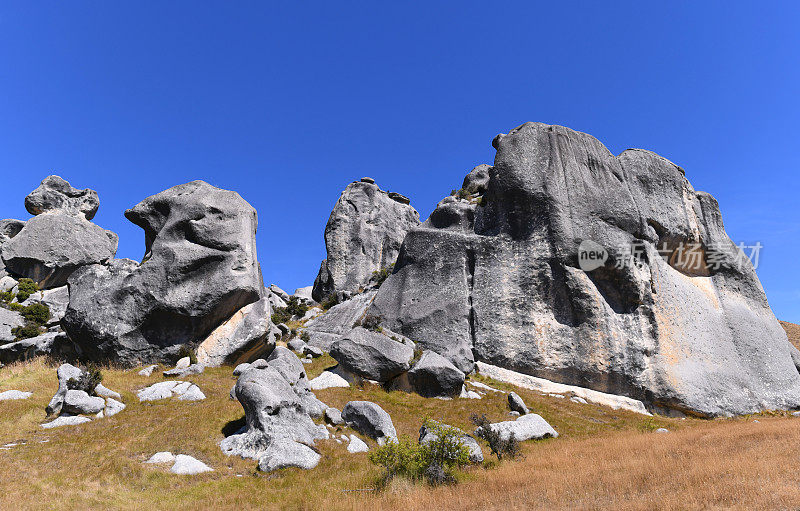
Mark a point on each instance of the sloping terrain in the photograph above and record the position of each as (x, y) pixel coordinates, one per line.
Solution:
(602, 458)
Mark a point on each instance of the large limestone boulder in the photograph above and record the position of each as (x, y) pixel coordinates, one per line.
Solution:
(497, 277)
(363, 235)
(60, 238)
(372, 355)
(244, 337)
(199, 268)
(329, 327)
(278, 407)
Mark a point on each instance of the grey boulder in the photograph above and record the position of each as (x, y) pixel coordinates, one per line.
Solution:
(244, 337)
(64, 374)
(56, 194)
(56, 344)
(79, 402)
(371, 420)
(372, 355)
(526, 427)
(8, 321)
(329, 327)
(435, 376)
(287, 454)
(200, 267)
(363, 235)
(505, 281)
(516, 404)
(333, 416)
(187, 465)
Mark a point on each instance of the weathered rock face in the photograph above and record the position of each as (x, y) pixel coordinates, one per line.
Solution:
(501, 281)
(244, 337)
(278, 406)
(200, 267)
(372, 355)
(363, 235)
(56, 194)
(326, 329)
(60, 239)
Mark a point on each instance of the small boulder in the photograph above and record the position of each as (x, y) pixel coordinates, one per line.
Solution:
(162, 457)
(333, 416)
(372, 355)
(526, 427)
(113, 407)
(64, 373)
(356, 445)
(371, 420)
(186, 465)
(79, 402)
(327, 380)
(516, 404)
(66, 420)
(287, 454)
(147, 371)
(435, 376)
(10, 395)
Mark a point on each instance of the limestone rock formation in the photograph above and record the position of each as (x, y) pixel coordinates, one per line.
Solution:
(324, 330)
(278, 406)
(60, 238)
(199, 268)
(363, 235)
(245, 336)
(372, 355)
(496, 276)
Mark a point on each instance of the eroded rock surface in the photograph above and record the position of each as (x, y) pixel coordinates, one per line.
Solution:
(199, 268)
(363, 235)
(496, 277)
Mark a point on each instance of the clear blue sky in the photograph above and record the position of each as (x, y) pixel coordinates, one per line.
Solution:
(287, 102)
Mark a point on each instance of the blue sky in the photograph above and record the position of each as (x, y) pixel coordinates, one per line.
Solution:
(288, 102)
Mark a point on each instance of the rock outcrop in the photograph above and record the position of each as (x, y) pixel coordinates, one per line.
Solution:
(245, 336)
(496, 275)
(329, 327)
(199, 268)
(60, 238)
(363, 235)
(278, 406)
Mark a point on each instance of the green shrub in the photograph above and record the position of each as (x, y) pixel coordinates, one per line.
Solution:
(371, 322)
(330, 301)
(462, 193)
(436, 462)
(90, 378)
(38, 313)
(30, 329)
(305, 337)
(25, 288)
(500, 447)
(187, 351)
(380, 276)
(294, 307)
(16, 307)
(6, 296)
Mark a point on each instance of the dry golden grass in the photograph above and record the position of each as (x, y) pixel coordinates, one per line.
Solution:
(793, 332)
(603, 458)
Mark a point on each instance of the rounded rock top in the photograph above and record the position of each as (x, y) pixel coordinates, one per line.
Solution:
(368, 180)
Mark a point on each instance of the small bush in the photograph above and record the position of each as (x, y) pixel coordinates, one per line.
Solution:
(330, 301)
(6, 296)
(90, 378)
(371, 322)
(462, 193)
(502, 448)
(435, 462)
(294, 307)
(380, 276)
(16, 307)
(187, 351)
(25, 288)
(305, 337)
(38, 313)
(30, 329)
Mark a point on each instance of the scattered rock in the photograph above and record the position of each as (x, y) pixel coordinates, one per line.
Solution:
(332, 416)
(285, 454)
(435, 376)
(66, 420)
(10, 395)
(64, 373)
(9, 320)
(185, 371)
(662, 430)
(183, 390)
(101, 390)
(372, 355)
(199, 269)
(327, 380)
(296, 345)
(371, 420)
(516, 404)
(356, 445)
(186, 465)
(147, 371)
(363, 235)
(113, 407)
(79, 402)
(578, 399)
(162, 457)
(526, 427)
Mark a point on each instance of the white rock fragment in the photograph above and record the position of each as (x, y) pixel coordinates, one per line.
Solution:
(66, 420)
(328, 380)
(14, 394)
(113, 407)
(186, 465)
(147, 371)
(356, 445)
(162, 457)
(183, 390)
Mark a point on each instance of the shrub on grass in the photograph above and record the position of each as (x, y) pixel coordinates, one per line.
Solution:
(436, 462)
(500, 447)
(294, 307)
(25, 288)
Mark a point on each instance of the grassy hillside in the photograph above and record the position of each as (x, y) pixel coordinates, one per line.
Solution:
(603, 458)
(793, 331)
